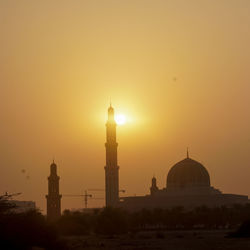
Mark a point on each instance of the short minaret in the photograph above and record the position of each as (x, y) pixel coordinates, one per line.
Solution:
(111, 168)
(153, 188)
(53, 197)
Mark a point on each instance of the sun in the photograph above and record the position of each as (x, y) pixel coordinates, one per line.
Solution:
(120, 119)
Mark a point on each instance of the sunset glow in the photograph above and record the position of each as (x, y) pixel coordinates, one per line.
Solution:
(120, 119)
(176, 73)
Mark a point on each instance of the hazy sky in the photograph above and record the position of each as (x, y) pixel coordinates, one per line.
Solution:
(179, 69)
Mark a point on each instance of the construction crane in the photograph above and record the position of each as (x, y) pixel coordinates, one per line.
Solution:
(99, 189)
(86, 196)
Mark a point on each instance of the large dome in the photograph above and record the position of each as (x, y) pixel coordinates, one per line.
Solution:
(188, 173)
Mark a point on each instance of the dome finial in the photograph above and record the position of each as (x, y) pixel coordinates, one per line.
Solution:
(110, 103)
(187, 153)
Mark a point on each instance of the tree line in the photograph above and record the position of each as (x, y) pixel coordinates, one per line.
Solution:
(25, 230)
(118, 221)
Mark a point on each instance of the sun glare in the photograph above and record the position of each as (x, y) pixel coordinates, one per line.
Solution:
(120, 119)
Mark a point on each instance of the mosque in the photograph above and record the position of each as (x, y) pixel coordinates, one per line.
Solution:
(188, 186)
(188, 183)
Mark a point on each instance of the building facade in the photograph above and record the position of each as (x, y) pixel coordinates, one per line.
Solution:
(111, 168)
(53, 197)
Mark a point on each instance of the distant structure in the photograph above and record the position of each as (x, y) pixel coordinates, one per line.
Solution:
(111, 168)
(188, 186)
(53, 197)
(22, 206)
(153, 188)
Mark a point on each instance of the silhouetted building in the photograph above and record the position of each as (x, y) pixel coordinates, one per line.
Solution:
(111, 168)
(188, 186)
(188, 183)
(22, 206)
(53, 197)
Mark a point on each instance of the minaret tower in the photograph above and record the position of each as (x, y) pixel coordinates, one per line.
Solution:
(153, 188)
(53, 197)
(111, 168)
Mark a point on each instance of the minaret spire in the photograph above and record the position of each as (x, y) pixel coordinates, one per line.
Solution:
(53, 197)
(111, 168)
(153, 188)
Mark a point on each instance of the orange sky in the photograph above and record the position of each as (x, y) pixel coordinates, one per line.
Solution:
(61, 61)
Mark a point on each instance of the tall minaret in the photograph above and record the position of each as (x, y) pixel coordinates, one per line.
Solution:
(111, 168)
(53, 197)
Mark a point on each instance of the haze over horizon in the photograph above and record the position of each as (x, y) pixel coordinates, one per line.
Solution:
(178, 69)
